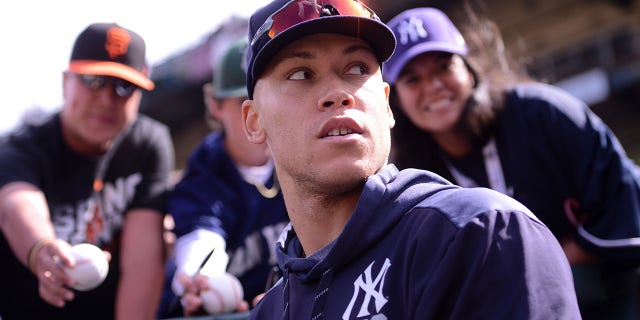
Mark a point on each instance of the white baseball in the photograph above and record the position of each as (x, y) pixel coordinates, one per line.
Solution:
(91, 266)
(223, 295)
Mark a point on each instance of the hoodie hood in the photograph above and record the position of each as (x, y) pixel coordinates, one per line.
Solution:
(413, 233)
(386, 197)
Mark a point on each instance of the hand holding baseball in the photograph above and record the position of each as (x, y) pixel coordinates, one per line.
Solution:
(51, 259)
(217, 295)
(90, 268)
(46, 260)
(222, 295)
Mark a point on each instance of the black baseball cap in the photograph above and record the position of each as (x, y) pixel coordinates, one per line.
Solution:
(107, 49)
(281, 22)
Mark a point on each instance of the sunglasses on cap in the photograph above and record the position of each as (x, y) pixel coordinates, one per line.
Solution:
(298, 11)
(122, 88)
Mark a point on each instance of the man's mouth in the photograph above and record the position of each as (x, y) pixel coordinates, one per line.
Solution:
(339, 132)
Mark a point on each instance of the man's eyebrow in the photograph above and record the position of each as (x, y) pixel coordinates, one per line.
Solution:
(357, 47)
(307, 55)
(301, 54)
(304, 54)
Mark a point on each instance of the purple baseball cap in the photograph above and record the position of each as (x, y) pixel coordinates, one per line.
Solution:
(418, 31)
(281, 22)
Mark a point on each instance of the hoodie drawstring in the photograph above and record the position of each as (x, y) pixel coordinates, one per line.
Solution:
(285, 292)
(321, 295)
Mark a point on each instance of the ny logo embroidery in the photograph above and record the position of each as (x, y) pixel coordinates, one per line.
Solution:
(371, 288)
(117, 42)
(412, 30)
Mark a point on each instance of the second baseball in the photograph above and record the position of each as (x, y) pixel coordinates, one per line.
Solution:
(223, 295)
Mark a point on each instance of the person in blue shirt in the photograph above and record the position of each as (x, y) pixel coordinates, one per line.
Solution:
(367, 241)
(465, 111)
(228, 200)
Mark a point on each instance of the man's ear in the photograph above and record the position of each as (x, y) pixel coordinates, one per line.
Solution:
(251, 122)
(392, 120)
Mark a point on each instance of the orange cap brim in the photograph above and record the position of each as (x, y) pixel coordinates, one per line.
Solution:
(113, 69)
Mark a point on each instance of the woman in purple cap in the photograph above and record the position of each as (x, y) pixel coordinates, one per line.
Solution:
(467, 113)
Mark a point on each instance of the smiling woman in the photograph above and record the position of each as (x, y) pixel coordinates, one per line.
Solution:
(44, 51)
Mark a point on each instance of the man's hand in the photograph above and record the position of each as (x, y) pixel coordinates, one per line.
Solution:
(47, 261)
(191, 301)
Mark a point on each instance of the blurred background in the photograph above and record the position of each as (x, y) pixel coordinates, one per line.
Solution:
(589, 47)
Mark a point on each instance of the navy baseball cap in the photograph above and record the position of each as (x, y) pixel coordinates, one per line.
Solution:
(107, 49)
(229, 78)
(281, 22)
(418, 31)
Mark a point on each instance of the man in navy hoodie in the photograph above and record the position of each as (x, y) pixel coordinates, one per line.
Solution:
(365, 240)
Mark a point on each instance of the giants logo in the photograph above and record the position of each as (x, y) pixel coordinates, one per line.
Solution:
(117, 42)
(371, 289)
(84, 221)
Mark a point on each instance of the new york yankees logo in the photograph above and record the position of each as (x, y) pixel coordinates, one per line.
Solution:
(371, 288)
(412, 30)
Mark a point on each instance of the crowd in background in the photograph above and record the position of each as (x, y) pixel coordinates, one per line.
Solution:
(460, 106)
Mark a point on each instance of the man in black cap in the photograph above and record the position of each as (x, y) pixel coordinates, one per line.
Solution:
(368, 241)
(95, 172)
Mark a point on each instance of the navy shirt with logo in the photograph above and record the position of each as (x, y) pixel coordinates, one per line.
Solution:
(418, 247)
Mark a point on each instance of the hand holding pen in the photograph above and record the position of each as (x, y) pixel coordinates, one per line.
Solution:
(187, 284)
(190, 299)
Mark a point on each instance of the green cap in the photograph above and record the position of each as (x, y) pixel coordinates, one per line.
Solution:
(229, 78)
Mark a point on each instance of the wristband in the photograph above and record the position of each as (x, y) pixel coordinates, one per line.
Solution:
(34, 251)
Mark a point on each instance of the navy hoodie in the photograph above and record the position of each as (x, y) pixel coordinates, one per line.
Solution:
(418, 247)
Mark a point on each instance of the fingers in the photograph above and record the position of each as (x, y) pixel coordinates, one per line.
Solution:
(52, 290)
(108, 254)
(201, 282)
(60, 250)
(243, 306)
(257, 299)
(53, 281)
(191, 304)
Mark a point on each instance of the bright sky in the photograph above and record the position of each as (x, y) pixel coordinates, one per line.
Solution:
(37, 37)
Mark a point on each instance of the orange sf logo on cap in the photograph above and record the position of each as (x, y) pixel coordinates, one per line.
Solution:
(117, 42)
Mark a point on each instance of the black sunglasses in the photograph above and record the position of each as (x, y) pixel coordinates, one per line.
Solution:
(123, 88)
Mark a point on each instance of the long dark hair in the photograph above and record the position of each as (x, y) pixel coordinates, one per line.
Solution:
(495, 72)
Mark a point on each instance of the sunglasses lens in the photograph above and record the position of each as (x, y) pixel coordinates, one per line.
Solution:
(298, 11)
(93, 82)
(122, 88)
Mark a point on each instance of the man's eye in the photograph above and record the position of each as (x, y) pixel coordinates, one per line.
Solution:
(300, 75)
(358, 69)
